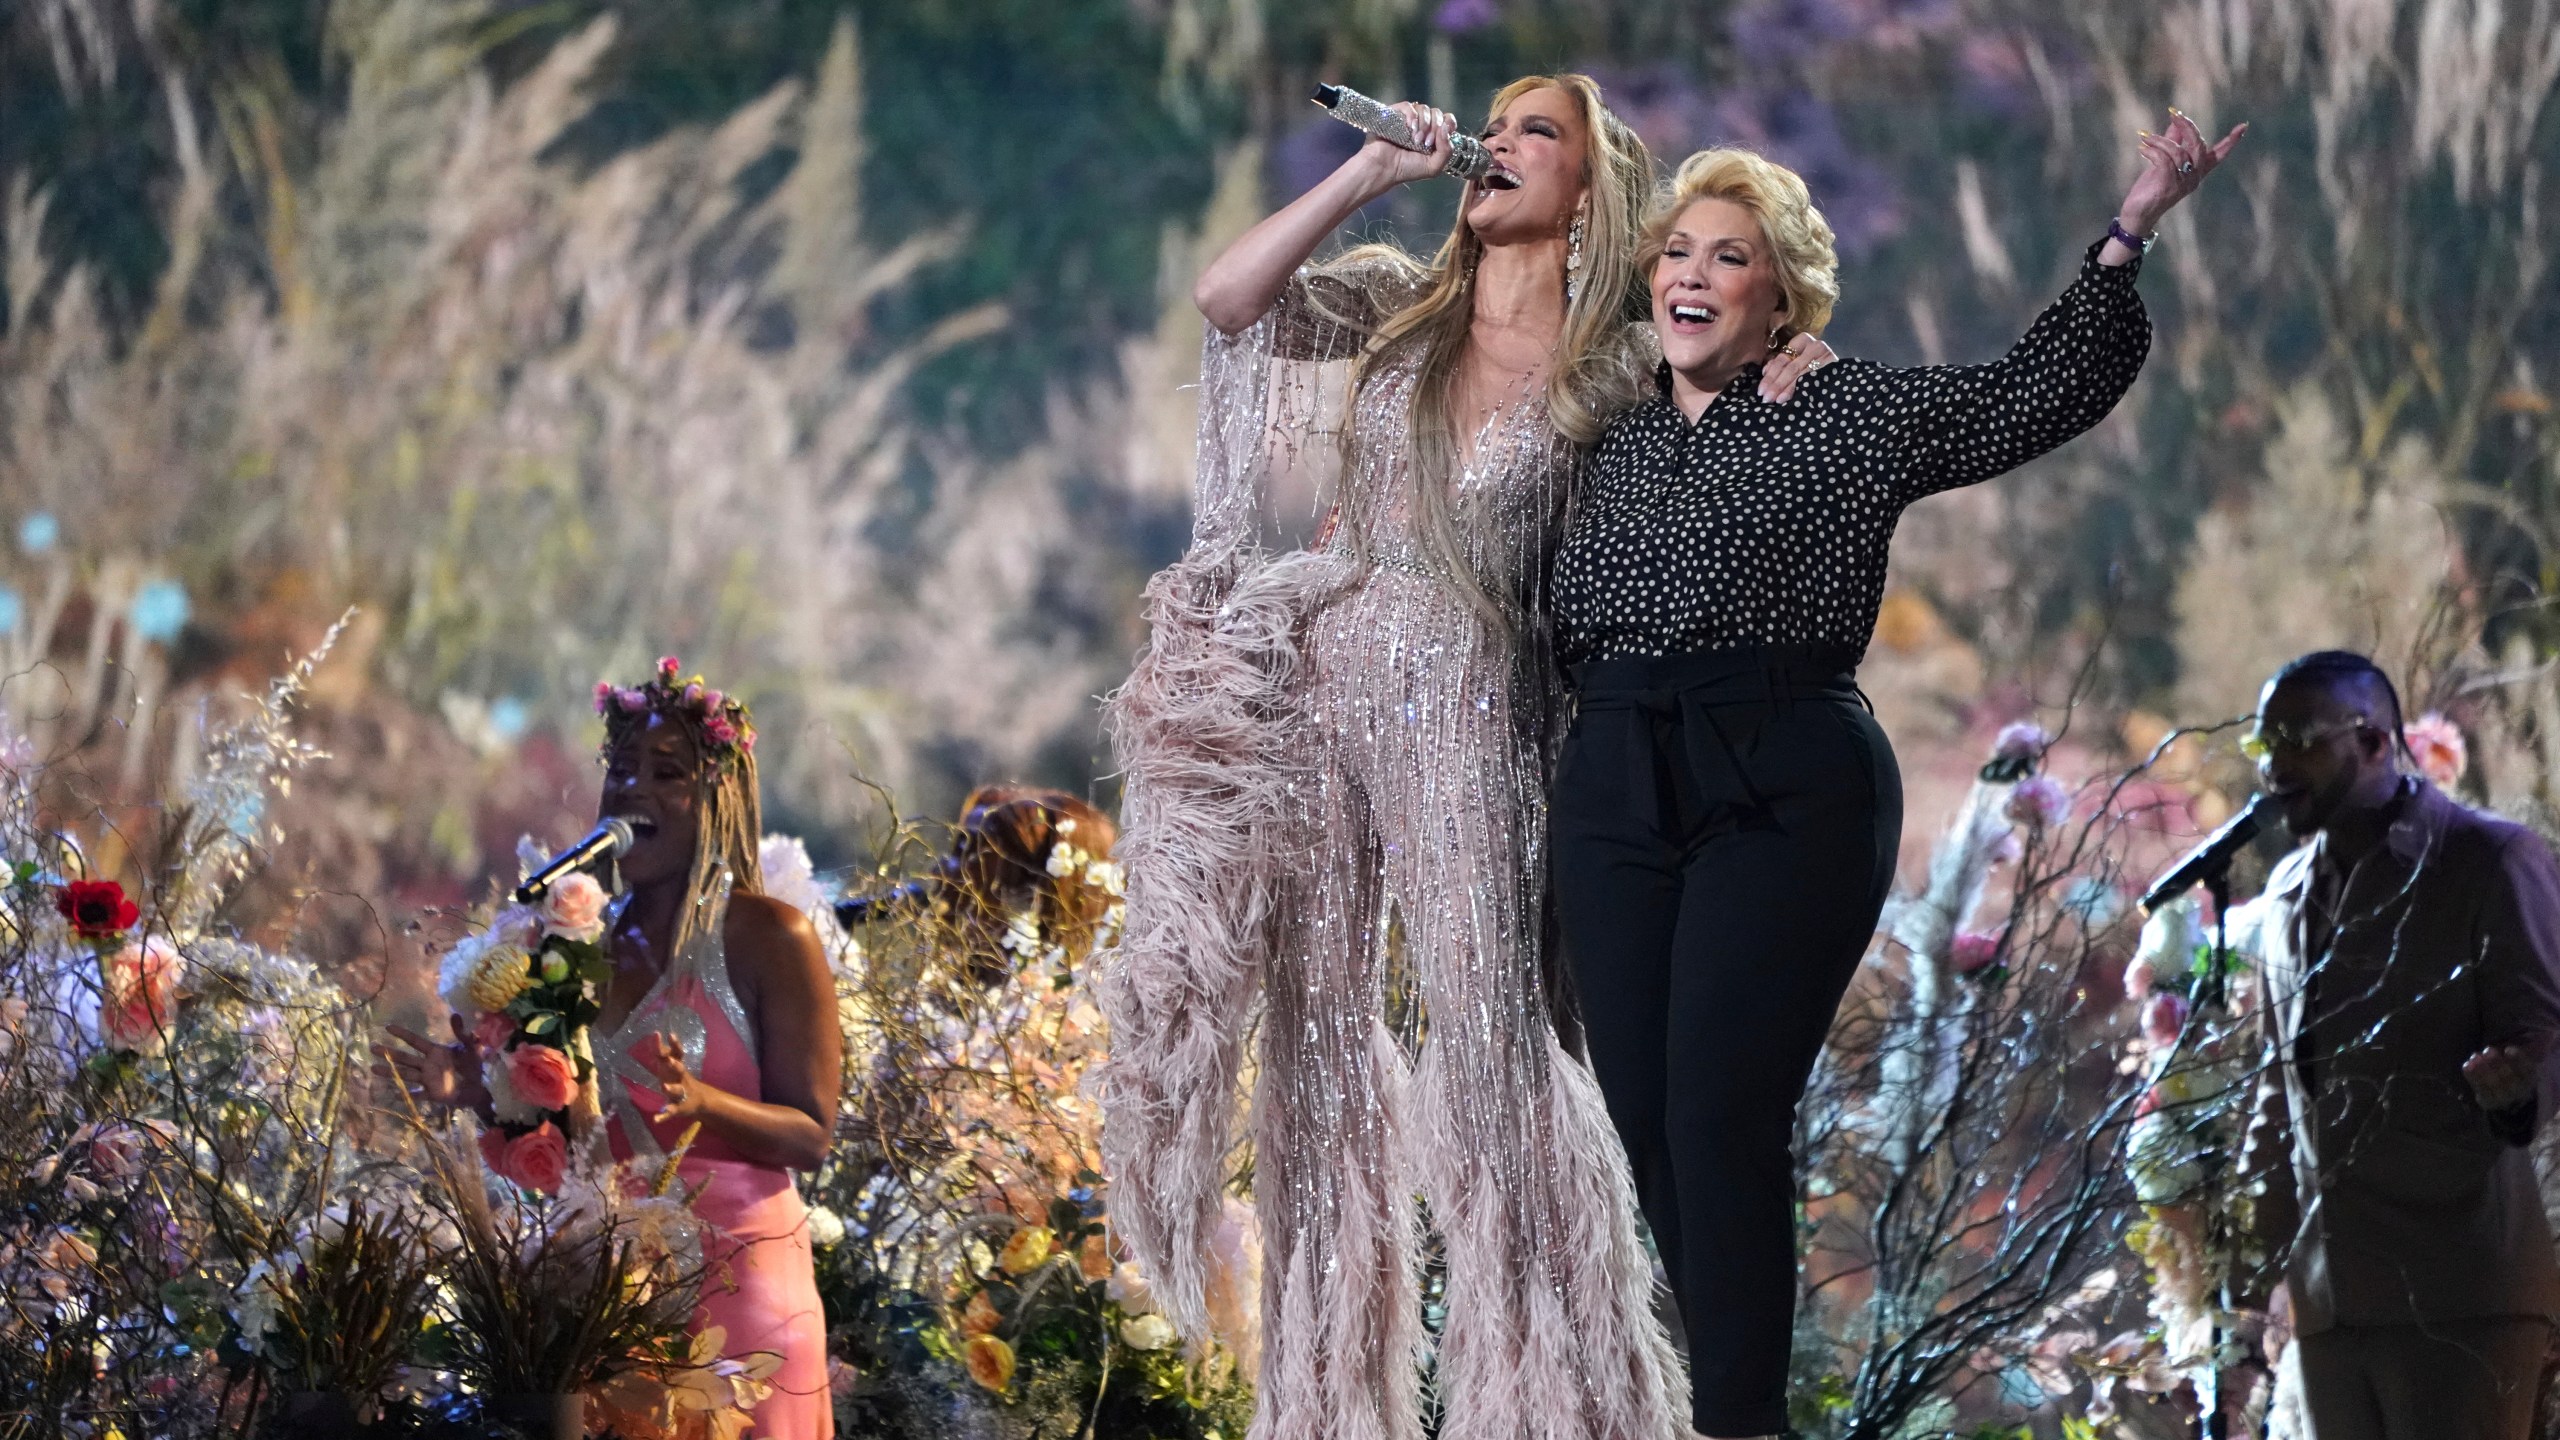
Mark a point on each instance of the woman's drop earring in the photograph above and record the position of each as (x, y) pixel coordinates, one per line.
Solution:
(1573, 259)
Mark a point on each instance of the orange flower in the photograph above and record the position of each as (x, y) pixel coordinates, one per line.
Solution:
(981, 1315)
(1028, 1250)
(1093, 1259)
(990, 1363)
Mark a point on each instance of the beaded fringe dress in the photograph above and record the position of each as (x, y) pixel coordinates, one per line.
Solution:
(1335, 843)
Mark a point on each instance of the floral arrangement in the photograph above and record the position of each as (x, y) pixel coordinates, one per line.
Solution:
(2196, 1054)
(722, 721)
(528, 989)
(964, 1248)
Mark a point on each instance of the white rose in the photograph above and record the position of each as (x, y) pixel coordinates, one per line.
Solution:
(1148, 1332)
(826, 1227)
(1129, 1289)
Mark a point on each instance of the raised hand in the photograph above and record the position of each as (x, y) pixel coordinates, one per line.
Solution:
(446, 1077)
(1431, 128)
(2175, 162)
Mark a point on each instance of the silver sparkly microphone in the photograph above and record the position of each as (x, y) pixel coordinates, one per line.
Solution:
(1468, 159)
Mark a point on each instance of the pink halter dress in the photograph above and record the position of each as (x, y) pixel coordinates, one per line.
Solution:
(760, 1282)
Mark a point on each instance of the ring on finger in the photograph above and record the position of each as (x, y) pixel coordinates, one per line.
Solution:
(2186, 167)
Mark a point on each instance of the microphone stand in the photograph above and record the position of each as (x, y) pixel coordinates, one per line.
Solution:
(2213, 1426)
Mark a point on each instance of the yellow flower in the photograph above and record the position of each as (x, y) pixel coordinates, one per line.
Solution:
(503, 973)
(981, 1315)
(991, 1363)
(1028, 1250)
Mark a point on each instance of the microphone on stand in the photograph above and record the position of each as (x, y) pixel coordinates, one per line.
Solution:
(2211, 861)
(1468, 159)
(864, 909)
(605, 842)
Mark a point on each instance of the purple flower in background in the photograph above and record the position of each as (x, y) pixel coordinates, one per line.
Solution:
(1457, 17)
(1308, 153)
(1798, 130)
(1774, 32)
(1662, 103)
(1994, 75)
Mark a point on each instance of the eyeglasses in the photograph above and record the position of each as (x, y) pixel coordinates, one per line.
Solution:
(2265, 739)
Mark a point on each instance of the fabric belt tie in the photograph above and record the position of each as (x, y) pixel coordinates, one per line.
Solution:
(1675, 699)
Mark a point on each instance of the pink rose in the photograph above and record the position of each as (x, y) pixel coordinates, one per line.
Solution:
(2139, 977)
(1973, 951)
(2163, 1016)
(574, 907)
(712, 700)
(535, 1160)
(2437, 745)
(544, 1077)
(494, 1030)
(668, 665)
(719, 731)
(604, 696)
(539, 1158)
(2039, 803)
(141, 998)
(631, 701)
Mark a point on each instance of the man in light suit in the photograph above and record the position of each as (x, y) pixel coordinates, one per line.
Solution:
(2412, 1008)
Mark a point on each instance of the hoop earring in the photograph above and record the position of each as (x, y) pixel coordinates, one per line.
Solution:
(1773, 334)
(1573, 260)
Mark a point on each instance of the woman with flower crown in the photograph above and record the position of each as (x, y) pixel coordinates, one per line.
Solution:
(720, 1012)
(1336, 771)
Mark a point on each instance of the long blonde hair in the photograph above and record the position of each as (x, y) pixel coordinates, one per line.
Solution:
(1598, 367)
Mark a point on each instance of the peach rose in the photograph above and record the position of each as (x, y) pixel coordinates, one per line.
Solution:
(2437, 745)
(141, 998)
(544, 1077)
(574, 907)
(990, 1363)
(980, 1315)
(539, 1158)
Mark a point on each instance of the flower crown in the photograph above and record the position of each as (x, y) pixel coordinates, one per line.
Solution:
(720, 723)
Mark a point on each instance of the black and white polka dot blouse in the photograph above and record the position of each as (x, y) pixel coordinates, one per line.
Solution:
(1767, 524)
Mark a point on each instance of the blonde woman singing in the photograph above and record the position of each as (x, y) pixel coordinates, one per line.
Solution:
(1336, 765)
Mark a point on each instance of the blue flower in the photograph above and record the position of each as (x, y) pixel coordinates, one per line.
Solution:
(159, 610)
(38, 532)
(11, 608)
(508, 718)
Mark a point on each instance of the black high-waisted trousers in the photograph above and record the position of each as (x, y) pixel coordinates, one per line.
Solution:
(1725, 825)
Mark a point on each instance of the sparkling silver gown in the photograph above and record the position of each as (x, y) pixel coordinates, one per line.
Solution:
(1335, 767)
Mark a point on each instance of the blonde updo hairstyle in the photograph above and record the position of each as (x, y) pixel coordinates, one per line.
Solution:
(1799, 239)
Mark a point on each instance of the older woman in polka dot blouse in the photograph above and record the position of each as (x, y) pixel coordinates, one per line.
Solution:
(1726, 811)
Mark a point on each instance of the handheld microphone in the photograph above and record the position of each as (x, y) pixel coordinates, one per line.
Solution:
(605, 842)
(2213, 857)
(1468, 159)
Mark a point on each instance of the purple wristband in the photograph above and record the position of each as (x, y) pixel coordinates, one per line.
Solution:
(2138, 244)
